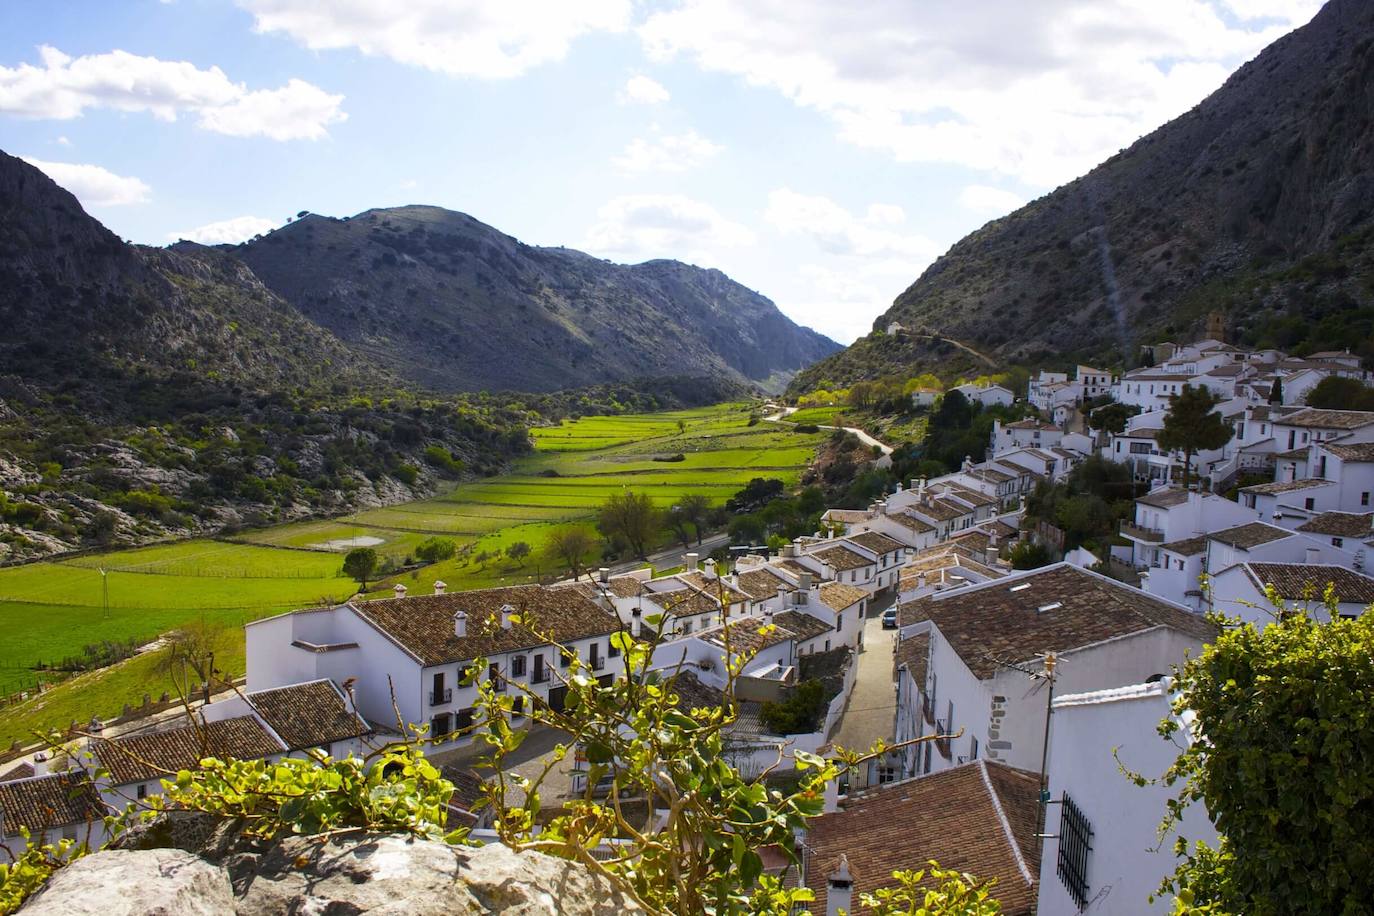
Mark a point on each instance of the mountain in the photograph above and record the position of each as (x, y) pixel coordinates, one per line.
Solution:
(451, 303)
(1258, 203)
(147, 393)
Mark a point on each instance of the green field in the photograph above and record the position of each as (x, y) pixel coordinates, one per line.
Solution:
(51, 610)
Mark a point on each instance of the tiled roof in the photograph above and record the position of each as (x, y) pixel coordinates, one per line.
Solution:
(877, 542)
(1031, 424)
(828, 667)
(941, 510)
(624, 586)
(847, 516)
(1341, 524)
(913, 654)
(745, 635)
(1252, 534)
(1317, 418)
(840, 596)
(1294, 580)
(716, 588)
(693, 694)
(992, 475)
(1293, 453)
(1189, 547)
(970, 495)
(1057, 608)
(911, 522)
(760, 584)
(44, 802)
(156, 755)
(20, 771)
(841, 558)
(1286, 486)
(313, 714)
(1357, 452)
(1164, 499)
(468, 787)
(977, 818)
(801, 626)
(794, 568)
(423, 625)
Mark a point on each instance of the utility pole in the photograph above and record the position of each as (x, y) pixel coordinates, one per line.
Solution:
(1048, 674)
(105, 590)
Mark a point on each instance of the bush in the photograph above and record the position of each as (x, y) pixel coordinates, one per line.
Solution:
(407, 474)
(444, 460)
(677, 457)
(806, 428)
(434, 550)
(1029, 555)
(799, 713)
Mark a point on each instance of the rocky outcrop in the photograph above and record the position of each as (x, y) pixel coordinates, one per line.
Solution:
(343, 874)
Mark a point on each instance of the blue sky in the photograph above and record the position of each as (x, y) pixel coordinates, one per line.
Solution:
(821, 153)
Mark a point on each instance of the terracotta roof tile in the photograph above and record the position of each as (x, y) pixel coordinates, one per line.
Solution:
(44, 802)
(1285, 486)
(841, 558)
(313, 714)
(1056, 608)
(1360, 452)
(760, 584)
(1341, 524)
(913, 654)
(970, 818)
(1316, 418)
(840, 596)
(1251, 534)
(423, 625)
(1296, 580)
(1164, 499)
(877, 542)
(157, 755)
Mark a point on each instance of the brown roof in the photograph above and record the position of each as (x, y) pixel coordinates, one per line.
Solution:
(941, 510)
(716, 588)
(21, 771)
(759, 583)
(840, 596)
(624, 586)
(1286, 486)
(423, 625)
(1296, 580)
(1031, 424)
(1251, 534)
(685, 602)
(746, 635)
(693, 694)
(795, 568)
(992, 475)
(154, 755)
(845, 515)
(1356, 452)
(970, 495)
(313, 714)
(877, 542)
(1341, 524)
(44, 802)
(1063, 608)
(1189, 547)
(913, 654)
(977, 818)
(801, 626)
(1164, 499)
(1313, 417)
(907, 520)
(841, 558)
(468, 786)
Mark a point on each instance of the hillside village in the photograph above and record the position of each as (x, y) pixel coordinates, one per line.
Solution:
(1036, 684)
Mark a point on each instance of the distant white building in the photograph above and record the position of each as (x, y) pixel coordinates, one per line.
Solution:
(1240, 590)
(987, 395)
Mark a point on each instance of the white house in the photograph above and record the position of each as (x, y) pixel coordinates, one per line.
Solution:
(415, 651)
(987, 395)
(1168, 515)
(1240, 590)
(1093, 382)
(984, 649)
(1023, 434)
(52, 807)
(1103, 854)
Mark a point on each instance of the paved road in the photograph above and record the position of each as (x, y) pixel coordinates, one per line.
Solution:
(872, 704)
(666, 559)
(863, 437)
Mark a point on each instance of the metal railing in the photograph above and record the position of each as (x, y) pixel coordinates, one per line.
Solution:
(942, 737)
(1141, 533)
(440, 697)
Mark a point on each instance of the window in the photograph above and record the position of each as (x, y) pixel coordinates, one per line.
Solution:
(517, 707)
(541, 672)
(142, 791)
(595, 656)
(1075, 842)
(973, 748)
(463, 719)
(439, 725)
(613, 650)
(517, 666)
(1338, 542)
(886, 773)
(827, 645)
(564, 659)
(1309, 504)
(1364, 498)
(494, 674)
(839, 622)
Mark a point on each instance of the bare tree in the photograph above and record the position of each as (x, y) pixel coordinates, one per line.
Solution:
(193, 648)
(631, 516)
(572, 545)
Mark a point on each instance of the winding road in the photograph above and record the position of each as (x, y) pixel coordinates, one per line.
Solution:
(862, 436)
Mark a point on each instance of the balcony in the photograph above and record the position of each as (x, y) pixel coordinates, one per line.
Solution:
(1141, 533)
(928, 709)
(541, 676)
(440, 697)
(942, 743)
(597, 663)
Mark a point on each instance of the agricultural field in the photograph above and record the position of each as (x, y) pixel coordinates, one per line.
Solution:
(52, 610)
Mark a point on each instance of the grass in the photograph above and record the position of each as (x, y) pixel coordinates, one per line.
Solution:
(52, 610)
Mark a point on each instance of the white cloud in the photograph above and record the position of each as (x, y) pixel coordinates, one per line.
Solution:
(643, 226)
(63, 141)
(639, 88)
(459, 37)
(666, 153)
(836, 231)
(94, 186)
(64, 87)
(225, 232)
(1041, 91)
(982, 199)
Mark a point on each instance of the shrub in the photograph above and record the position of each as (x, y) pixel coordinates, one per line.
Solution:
(444, 460)
(434, 550)
(799, 713)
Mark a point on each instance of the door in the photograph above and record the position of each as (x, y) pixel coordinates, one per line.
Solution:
(558, 698)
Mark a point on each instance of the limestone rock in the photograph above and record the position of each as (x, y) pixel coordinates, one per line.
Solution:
(154, 882)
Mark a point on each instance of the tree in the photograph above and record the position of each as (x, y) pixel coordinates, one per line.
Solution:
(1029, 555)
(518, 552)
(757, 493)
(632, 517)
(360, 563)
(1279, 754)
(1336, 392)
(193, 648)
(434, 550)
(572, 545)
(681, 525)
(1112, 418)
(696, 508)
(1276, 391)
(1191, 425)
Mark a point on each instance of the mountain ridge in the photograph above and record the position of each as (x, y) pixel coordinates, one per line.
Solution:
(1255, 203)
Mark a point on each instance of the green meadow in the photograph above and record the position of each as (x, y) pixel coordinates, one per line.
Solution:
(52, 610)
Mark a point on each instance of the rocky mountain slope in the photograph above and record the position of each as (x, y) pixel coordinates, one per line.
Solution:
(448, 302)
(146, 393)
(1258, 203)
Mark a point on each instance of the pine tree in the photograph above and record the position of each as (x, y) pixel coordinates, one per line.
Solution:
(1193, 426)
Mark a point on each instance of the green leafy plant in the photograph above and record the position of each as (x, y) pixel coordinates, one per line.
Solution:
(952, 894)
(30, 870)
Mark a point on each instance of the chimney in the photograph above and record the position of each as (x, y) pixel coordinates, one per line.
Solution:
(839, 891)
(604, 574)
(689, 562)
(921, 580)
(460, 625)
(804, 581)
(789, 550)
(1312, 556)
(636, 622)
(506, 611)
(400, 590)
(782, 595)
(708, 566)
(768, 617)
(40, 763)
(439, 586)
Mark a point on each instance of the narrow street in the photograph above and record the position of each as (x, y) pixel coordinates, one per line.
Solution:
(868, 715)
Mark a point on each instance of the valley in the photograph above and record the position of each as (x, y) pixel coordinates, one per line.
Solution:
(54, 609)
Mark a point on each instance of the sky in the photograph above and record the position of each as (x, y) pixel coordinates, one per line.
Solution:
(821, 153)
